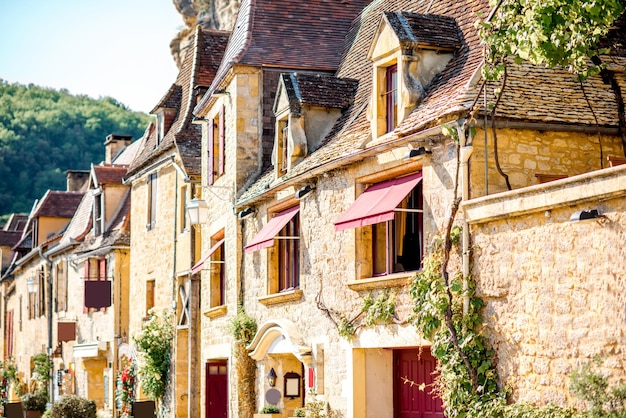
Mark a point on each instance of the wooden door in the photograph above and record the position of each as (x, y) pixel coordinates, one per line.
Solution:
(415, 366)
(216, 390)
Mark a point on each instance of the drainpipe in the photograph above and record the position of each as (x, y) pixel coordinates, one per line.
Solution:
(465, 154)
(47, 276)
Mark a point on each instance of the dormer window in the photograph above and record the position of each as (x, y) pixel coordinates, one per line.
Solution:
(306, 107)
(409, 50)
(98, 213)
(391, 97)
(283, 145)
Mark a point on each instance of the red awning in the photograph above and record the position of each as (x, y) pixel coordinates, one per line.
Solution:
(200, 264)
(265, 237)
(377, 203)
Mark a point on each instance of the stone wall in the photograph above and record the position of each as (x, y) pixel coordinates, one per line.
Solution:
(553, 288)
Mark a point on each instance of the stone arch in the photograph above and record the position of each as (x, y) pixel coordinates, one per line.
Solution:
(279, 336)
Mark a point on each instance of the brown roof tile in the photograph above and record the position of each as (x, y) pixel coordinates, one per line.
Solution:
(9, 238)
(318, 90)
(58, 204)
(108, 174)
(198, 69)
(424, 30)
(287, 34)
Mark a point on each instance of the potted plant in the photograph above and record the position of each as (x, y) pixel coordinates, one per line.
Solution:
(269, 411)
(299, 412)
(34, 404)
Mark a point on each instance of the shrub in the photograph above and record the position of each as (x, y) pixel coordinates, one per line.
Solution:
(35, 401)
(72, 406)
(270, 409)
(299, 412)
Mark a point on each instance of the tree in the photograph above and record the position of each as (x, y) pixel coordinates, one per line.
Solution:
(554, 33)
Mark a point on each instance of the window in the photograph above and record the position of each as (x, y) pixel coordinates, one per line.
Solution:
(217, 270)
(284, 267)
(97, 285)
(182, 217)
(150, 288)
(8, 338)
(41, 301)
(288, 263)
(152, 200)
(61, 286)
(389, 215)
(98, 218)
(397, 244)
(283, 146)
(216, 133)
(391, 97)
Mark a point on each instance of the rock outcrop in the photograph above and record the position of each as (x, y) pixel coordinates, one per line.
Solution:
(210, 14)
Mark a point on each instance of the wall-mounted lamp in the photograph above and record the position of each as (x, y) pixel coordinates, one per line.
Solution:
(220, 93)
(303, 191)
(416, 152)
(198, 211)
(31, 285)
(246, 213)
(584, 215)
(271, 378)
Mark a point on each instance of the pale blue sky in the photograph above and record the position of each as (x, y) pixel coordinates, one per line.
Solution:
(117, 48)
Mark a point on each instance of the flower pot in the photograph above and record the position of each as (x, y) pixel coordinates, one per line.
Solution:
(32, 414)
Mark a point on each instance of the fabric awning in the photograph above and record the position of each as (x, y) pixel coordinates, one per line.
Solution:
(265, 237)
(378, 202)
(200, 264)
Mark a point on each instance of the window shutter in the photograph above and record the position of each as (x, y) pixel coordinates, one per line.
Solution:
(86, 274)
(210, 151)
(222, 139)
(102, 268)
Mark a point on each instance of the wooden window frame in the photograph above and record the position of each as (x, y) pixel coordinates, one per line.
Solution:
(216, 144)
(218, 272)
(391, 97)
(152, 200)
(286, 258)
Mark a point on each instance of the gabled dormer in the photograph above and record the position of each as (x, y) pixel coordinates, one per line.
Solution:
(408, 51)
(306, 109)
(166, 112)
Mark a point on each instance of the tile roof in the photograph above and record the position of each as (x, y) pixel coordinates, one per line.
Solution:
(197, 69)
(318, 90)
(81, 221)
(9, 238)
(128, 154)
(117, 231)
(108, 174)
(16, 222)
(532, 94)
(270, 32)
(424, 30)
(57, 204)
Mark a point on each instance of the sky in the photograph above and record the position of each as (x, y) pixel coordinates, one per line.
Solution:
(99, 48)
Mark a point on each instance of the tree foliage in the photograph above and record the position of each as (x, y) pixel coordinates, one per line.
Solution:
(44, 132)
(548, 32)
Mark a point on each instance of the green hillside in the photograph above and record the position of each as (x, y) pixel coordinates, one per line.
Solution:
(44, 132)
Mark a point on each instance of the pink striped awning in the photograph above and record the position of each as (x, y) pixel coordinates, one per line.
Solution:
(200, 264)
(378, 202)
(265, 237)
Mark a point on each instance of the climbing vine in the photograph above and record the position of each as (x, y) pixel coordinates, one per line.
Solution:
(243, 328)
(154, 344)
(553, 33)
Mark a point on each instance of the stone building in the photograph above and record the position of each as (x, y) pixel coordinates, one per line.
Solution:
(238, 136)
(27, 283)
(79, 326)
(164, 247)
(338, 199)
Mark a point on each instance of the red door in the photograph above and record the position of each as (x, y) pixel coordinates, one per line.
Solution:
(409, 401)
(216, 390)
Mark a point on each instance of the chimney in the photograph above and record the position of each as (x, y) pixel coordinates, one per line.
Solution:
(77, 180)
(113, 145)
